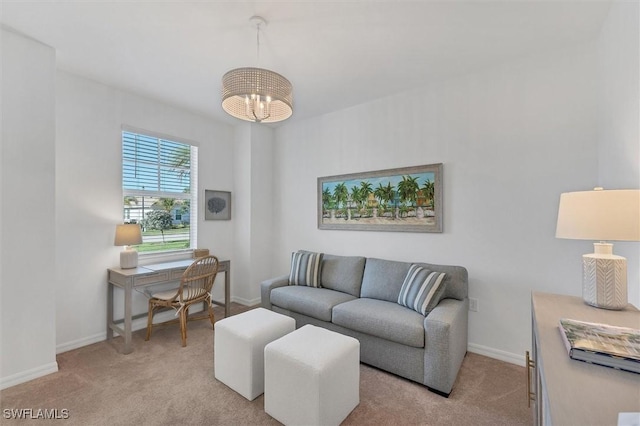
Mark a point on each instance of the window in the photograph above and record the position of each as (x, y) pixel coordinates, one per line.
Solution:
(159, 185)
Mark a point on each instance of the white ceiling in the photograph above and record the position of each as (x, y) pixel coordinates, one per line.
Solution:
(336, 53)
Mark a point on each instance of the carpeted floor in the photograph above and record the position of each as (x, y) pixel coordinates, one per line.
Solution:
(161, 383)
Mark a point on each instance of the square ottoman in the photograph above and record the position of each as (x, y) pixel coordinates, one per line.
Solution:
(312, 377)
(238, 348)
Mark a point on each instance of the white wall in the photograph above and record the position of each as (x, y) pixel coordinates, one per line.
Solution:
(512, 138)
(261, 210)
(618, 117)
(89, 194)
(27, 218)
(252, 212)
(241, 202)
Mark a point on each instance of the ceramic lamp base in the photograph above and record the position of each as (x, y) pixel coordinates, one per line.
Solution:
(604, 280)
(128, 259)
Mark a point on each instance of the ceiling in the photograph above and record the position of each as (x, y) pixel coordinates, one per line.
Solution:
(335, 53)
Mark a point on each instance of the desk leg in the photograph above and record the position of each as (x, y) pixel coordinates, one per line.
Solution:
(110, 291)
(127, 319)
(227, 292)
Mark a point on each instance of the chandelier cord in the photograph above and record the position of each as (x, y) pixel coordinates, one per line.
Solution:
(258, 42)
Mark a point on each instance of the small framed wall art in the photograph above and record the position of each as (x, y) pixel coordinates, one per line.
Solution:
(217, 205)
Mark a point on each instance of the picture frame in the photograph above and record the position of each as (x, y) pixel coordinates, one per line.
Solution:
(407, 199)
(217, 205)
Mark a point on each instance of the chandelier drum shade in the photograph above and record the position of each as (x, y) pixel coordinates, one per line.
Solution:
(257, 94)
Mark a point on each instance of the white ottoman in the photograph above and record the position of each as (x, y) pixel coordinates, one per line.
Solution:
(238, 348)
(312, 377)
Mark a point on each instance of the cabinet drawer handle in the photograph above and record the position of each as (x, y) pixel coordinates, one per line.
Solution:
(531, 364)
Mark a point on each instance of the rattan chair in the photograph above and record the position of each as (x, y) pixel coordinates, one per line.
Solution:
(195, 287)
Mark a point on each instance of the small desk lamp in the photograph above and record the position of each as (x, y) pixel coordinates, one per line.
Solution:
(612, 215)
(128, 235)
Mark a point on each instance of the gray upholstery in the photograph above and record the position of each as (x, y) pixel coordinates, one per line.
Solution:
(445, 330)
(383, 279)
(387, 320)
(315, 302)
(343, 273)
(267, 285)
(428, 350)
(456, 282)
(404, 361)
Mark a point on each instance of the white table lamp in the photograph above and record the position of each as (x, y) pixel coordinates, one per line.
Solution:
(128, 235)
(611, 215)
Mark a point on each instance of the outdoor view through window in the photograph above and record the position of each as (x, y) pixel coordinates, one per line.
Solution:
(158, 185)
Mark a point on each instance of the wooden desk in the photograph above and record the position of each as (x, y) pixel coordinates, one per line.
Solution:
(570, 392)
(142, 276)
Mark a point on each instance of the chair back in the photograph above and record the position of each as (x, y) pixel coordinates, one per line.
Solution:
(198, 278)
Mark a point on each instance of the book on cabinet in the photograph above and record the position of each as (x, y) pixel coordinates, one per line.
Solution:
(602, 344)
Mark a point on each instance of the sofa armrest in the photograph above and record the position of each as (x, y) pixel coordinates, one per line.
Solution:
(267, 285)
(446, 334)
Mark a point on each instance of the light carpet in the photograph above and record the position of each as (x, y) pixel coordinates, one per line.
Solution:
(162, 383)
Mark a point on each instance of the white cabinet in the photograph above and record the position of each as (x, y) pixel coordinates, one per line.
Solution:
(569, 392)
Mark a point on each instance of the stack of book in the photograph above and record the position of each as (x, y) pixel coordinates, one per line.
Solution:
(602, 344)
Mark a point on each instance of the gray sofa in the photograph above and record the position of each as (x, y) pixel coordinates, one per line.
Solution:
(358, 297)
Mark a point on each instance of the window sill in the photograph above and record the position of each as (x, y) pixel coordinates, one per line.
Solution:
(167, 256)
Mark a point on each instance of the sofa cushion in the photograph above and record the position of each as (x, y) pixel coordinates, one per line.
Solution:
(305, 269)
(313, 302)
(456, 283)
(343, 273)
(379, 318)
(422, 289)
(383, 279)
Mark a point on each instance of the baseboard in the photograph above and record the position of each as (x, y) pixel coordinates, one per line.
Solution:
(496, 354)
(136, 324)
(246, 302)
(85, 341)
(25, 376)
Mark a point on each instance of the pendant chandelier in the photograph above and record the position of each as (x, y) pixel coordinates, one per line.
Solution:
(257, 94)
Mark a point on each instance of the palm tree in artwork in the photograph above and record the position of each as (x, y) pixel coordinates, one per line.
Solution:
(379, 194)
(429, 190)
(340, 194)
(408, 190)
(365, 190)
(356, 197)
(327, 199)
(388, 193)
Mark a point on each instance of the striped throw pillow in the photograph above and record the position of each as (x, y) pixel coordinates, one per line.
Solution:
(421, 289)
(305, 269)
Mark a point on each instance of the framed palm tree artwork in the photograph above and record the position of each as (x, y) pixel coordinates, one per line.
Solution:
(406, 199)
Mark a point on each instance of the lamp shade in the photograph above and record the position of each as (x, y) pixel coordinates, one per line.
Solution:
(257, 94)
(128, 235)
(604, 215)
